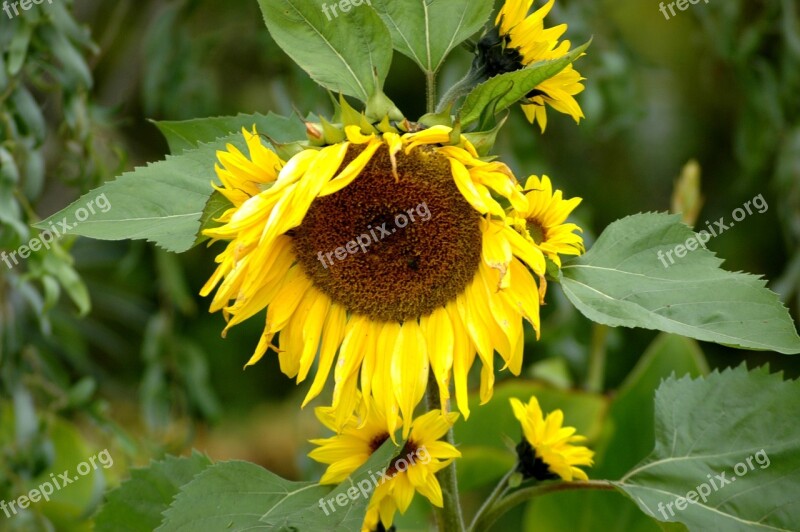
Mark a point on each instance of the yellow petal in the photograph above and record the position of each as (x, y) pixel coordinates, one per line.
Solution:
(409, 370)
(312, 331)
(351, 171)
(438, 331)
(332, 335)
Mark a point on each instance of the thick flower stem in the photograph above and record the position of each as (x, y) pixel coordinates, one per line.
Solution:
(484, 521)
(430, 85)
(449, 518)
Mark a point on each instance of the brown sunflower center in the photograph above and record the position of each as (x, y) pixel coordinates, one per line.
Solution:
(537, 232)
(392, 249)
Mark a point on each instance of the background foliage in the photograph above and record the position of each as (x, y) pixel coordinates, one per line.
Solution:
(107, 345)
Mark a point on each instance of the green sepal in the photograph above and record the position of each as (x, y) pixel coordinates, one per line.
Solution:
(331, 133)
(442, 118)
(484, 140)
(351, 117)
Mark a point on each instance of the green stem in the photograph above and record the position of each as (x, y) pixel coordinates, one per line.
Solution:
(595, 379)
(525, 494)
(430, 85)
(449, 518)
(463, 87)
(498, 492)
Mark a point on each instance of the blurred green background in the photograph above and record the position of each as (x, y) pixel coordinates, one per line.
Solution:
(144, 372)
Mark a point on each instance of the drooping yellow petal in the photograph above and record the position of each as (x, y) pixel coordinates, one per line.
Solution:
(351, 171)
(332, 336)
(409, 370)
(312, 332)
(463, 357)
(438, 331)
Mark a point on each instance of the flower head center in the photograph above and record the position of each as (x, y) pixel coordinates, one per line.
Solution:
(537, 231)
(496, 56)
(392, 248)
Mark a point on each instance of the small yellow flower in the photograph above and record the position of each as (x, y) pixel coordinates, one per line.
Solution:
(544, 220)
(548, 449)
(524, 40)
(412, 470)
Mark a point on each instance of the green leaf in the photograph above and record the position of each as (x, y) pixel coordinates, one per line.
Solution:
(427, 30)
(69, 506)
(505, 90)
(18, 49)
(161, 203)
(348, 52)
(188, 134)
(731, 436)
(59, 264)
(136, 505)
(239, 496)
(622, 281)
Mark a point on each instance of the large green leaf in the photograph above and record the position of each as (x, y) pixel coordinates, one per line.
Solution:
(342, 51)
(239, 496)
(426, 31)
(623, 281)
(161, 203)
(730, 442)
(136, 505)
(505, 90)
(188, 134)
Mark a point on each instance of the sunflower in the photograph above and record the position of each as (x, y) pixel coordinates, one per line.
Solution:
(336, 245)
(544, 219)
(520, 39)
(547, 449)
(412, 470)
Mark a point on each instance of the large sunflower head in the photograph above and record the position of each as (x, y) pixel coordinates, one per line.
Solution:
(548, 448)
(412, 470)
(518, 39)
(544, 220)
(390, 254)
